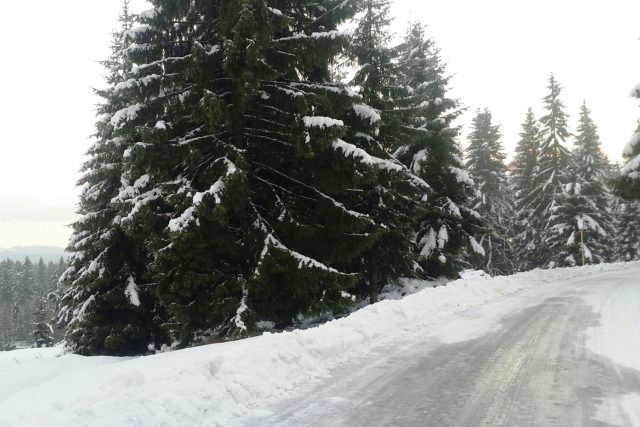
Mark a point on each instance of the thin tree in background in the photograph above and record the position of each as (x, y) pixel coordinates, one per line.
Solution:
(551, 175)
(526, 237)
(426, 144)
(627, 185)
(627, 242)
(42, 330)
(485, 160)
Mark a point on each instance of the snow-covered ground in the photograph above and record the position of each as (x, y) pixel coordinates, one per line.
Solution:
(217, 384)
(617, 338)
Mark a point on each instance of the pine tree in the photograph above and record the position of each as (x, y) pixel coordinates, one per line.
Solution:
(628, 230)
(6, 302)
(426, 144)
(581, 225)
(525, 165)
(41, 276)
(251, 184)
(104, 310)
(628, 183)
(485, 160)
(391, 201)
(551, 176)
(42, 330)
(373, 57)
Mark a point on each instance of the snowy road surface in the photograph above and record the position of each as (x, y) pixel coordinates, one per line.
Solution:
(556, 355)
(544, 348)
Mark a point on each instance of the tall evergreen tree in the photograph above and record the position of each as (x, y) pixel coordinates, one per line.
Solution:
(581, 225)
(627, 242)
(525, 166)
(552, 173)
(392, 200)
(252, 180)
(425, 141)
(628, 184)
(372, 55)
(485, 160)
(105, 310)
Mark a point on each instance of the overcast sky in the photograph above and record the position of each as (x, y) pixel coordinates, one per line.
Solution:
(501, 53)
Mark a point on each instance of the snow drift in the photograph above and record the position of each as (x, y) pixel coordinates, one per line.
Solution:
(211, 385)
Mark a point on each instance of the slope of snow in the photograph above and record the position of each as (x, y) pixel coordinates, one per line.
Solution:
(616, 338)
(211, 385)
(613, 338)
(620, 410)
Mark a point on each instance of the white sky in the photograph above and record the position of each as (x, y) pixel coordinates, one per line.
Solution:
(500, 51)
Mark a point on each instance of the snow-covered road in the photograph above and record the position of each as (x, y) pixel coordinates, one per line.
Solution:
(546, 348)
(557, 355)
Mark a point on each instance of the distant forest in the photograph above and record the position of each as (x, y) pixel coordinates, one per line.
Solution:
(27, 302)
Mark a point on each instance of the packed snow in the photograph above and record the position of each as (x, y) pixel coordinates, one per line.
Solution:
(213, 384)
(616, 338)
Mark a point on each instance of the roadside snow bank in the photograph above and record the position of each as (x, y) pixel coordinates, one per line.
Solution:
(617, 337)
(211, 385)
(620, 410)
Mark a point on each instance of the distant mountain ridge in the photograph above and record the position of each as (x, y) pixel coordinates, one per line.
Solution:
(47, 253)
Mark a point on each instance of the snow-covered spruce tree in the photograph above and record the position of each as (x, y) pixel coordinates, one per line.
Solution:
(485, 160)
(627, 185)
(549, 179)
(526, 238)
(627, 243)
(425, 142)
(249, 180)
(104, 310)
(42, 334)
(581, 225)
(391, 201)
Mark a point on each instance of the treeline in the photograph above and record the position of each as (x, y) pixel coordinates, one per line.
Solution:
(551, 206)
(239, 181)
(26, 304)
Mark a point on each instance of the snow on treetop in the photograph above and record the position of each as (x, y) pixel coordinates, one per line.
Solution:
(631, 168)
(131, 83)
(630, 147)
(636, 91)
(477, 248)
(132, 292)
(242, 308)
(367, 113)
(303, 260)
(462, 176)
(178, 224)
(350, 150)
(137, 31)
(120, 118)
(148, 14)
(333, 34)
(321, 122)
(213, 50)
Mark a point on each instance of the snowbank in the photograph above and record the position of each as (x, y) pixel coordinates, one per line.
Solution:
(617, 337)
(211, 385)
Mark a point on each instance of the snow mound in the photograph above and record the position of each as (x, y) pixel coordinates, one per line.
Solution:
(211, 385)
